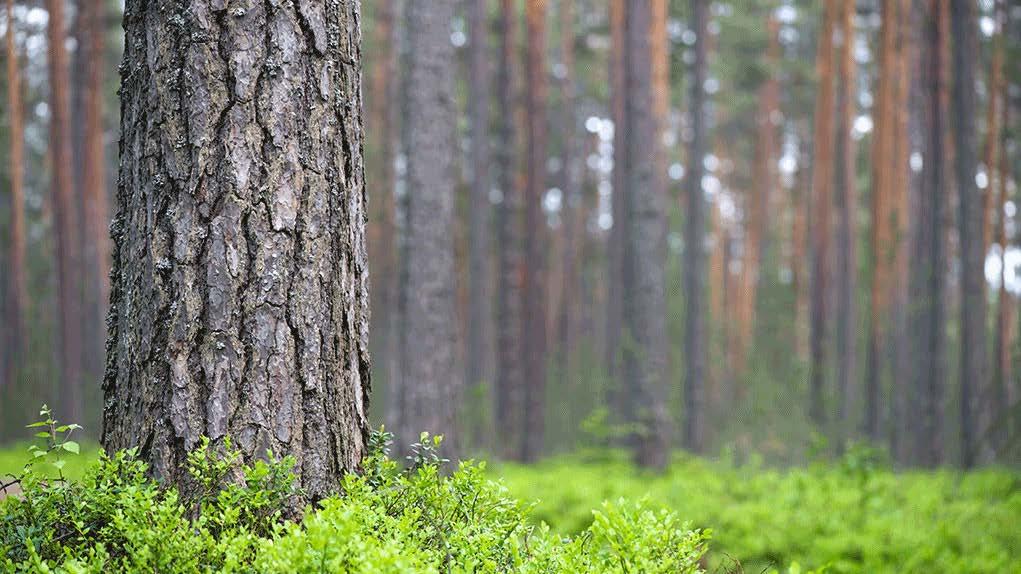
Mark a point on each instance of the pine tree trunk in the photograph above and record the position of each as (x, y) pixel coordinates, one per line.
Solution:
(971, 229)
(480, 322)
(240, 286)
(694, 254)
(928, 262)
(430, 379)
(644, 305)
(847, 236)
(822, 203)
(65, 219)
(615, 265)
(572, 225)
(509, 380)
(17, 290)
(533, 314)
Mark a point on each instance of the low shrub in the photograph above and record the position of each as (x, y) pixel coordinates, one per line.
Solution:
(389, 519)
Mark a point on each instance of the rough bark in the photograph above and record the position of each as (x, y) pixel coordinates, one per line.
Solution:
(240, 287)
(480, 322)
(15, 332)
(430, 382)
(65, 219)
(822, 203)
(928, 262)
(971, 228)
(509, 379)
(694, 229)
(847, 236)
(533, 314)
(644, 304)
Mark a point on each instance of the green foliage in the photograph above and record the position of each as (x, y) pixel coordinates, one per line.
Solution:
(389, 519)
(853, 516)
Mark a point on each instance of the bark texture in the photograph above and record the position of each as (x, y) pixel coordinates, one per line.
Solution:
(430, 378)
(694, 254)
(971, 227)
(240, 286)
(644, 305)
(17, 292)
(65, 219)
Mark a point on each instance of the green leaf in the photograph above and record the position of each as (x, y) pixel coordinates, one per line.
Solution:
(71, 446)
(59, 464)
(36, 425)
(43, 434)
(39, 453)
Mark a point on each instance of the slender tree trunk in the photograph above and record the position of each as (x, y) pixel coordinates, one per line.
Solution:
(479, 311)
(509, 381)
(615, 267)
(240, 287)
(572, 225)
(430, 382)
(928, 262)
(694, 254)
(644, 310)
(534, 288)
(66, 220)
(971, 229)
(847, 236)
(996, 165)
(16, 332)
(822, 203)
(801, 203)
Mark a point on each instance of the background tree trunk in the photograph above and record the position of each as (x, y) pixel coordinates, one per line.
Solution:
(694, 254)
(822, 203)
(431, 381)
(615, 261)
(240, 284)
(17, 303)
(65, 219)
(534, 289)
(971, 229)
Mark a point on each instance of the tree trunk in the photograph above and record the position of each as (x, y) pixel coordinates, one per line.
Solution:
(240, 285)
(479, 312)
(66, 219)
(533, 314)
(847, 236)
(971, 228)
(928, 262)
(615, 262)
(694, 238)
(17, 286)
(430, 380)
(822, 203)
(644, 305)
(571, 225)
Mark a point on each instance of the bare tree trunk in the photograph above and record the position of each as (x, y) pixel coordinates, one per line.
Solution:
(644, 305)
(430, 379)
(15, 332)
(240, 287)
(66, 219)
(615, 257)
(571, 208)
(479, 312)
(694, 253)
(822, 203)
(928, 262)
(534, 286)
(509, 380)
(995, 399)
(971, 229)
(847, 236)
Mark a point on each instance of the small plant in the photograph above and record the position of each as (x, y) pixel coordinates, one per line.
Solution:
(56, 444)
(426, 452)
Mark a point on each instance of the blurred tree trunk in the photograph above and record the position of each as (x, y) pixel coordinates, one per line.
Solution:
(17, 290)
(534, 286)
(971, 230)
(996, 165)
(480, 322)
(822, 203)
(240, 287)
(430, 380)
(694, 240)
(510, 373)
(96, 212)
(644, 305)
(801, 203)
(847, 230)
(573, 226)
(615, 257)
(65, 220)
(928, 261)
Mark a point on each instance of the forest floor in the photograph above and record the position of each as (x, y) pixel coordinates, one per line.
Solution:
(849, 515)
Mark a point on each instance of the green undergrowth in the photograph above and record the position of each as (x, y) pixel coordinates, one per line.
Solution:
(390, 519)
(851, 516)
